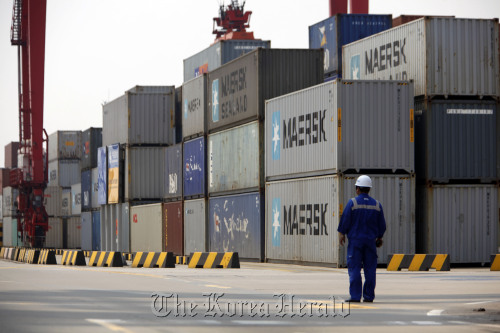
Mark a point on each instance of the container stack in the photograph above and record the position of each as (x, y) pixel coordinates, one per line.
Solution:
(454, 64)
(317, 142)
(6, 227)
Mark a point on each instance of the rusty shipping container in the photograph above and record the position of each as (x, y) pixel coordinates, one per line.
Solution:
(173, 227)
(10, 156)
(65, 145)
(195, 225)
(194, 107)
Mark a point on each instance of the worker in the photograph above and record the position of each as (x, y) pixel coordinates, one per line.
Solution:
(364, 224)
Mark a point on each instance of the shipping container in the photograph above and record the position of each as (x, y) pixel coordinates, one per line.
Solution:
(218, 54)
(459, 220)
(194, 107)
(66, 202)
(444, 57)
(96, 231)
(240, 88)
(115, 174)
(403, 19)
(8, 223)
(144, 115)
(94, 190)
(9, 207)
(4, 178)
(146, 229)
(52, 198)
(329, 129)
(195, 226)
(456, 140)
(178, 115)
(102, 173)
(1, 206)
(91, 140)
(341, 29)
(194, 174)
(173, 228)
(76, 199)
(145, 170)
(65, 145)
(86, 231)
(64, 173)
(72, 232)
(115, 227)
(235, 159)
(172, 188)
(86, 199)
(11, 150)
(236, 224)
(54, 236)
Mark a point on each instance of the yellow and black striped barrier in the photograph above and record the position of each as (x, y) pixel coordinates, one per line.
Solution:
(21, 253)
(154, 260)
(87, 254)
(2, 252)
(419, 262)
(8, 253)
(74, 257)
(106, 259)
(214, 260)
(47, 257)
(59, 252)
(32, 256)
(181, 260)
(495, 262)
(128, 256)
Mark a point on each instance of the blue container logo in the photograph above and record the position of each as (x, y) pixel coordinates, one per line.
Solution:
(276, 224)
(215, 101)
(275, 135)
(355, 67)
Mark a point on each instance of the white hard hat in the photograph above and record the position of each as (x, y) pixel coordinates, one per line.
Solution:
(364, 181)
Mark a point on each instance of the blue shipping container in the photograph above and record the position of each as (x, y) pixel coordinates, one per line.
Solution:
(86, 190)
(195, 168)
(236, 225)
(173, 172)
(341, 29)
(102, 176)
(96, 231)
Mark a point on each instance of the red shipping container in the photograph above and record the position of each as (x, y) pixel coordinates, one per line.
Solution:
(11, 155)
(173, 228)
(4, 178)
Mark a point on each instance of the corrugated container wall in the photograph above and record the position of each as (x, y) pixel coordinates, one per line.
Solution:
(146, 228)
(64, 173)
(76, 199)
(11, 155)
(194, 107)
(115, 228)
(460, 220)
(238, 90)
(91, 140)
(235, 159)
(341, 29)
(9, 198)
(4, 178)
(72, 235)
(236, 224)
(145, 173)
(194, 168)
(86, 198)
(173, 172)
(457, 140)
(317, 130)
(96, 231)
(173, 228)
(102, 176)
(144, 115)
(195, 226)
(444, 57)
(217, 55)
(7, 231)
(65, 145)
(94, 190)
(66, 202)
(52, 200)
(86, 231)
(54, 236)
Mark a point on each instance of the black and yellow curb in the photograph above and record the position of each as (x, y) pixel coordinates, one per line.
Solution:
(181, 260)
(59, 252)
(419, 262)
(2, 252)
(214, 260)
(154, 260)
(495, 262)
(21, 253)
(32, 256)
(75, 258)
(7, 254)
(87, 254)
(106, 259)
(128, 256)
(47, 257)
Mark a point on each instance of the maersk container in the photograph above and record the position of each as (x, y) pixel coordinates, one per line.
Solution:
(10, 195)
(195, 226)
(173, 172)
(66, 202)
(96, 230)
(329, 129)
(64, 173)
(72, 227)
(459, 220)
(456, 140)
(115, 227)
(194, 107)
(173, 228)
(52, 200)
(91, 140)
(444, 56)
(235, 159)
(65, 145)
(86, 198)
(86, 231)
(102, 176)
(341, 29)
(144, 115)
(54, 236)
(238, 90)
(146, 228)
(94, 189)
(236, 224)
(76, 199)
(194, 168)
(145, 173)
(218, 54)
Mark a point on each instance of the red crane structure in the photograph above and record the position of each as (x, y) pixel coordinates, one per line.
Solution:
(233, 22)
(28, 34)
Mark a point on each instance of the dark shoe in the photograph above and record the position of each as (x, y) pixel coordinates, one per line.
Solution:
(367, 301)
(353, 301)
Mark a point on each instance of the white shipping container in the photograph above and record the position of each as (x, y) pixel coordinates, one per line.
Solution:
(146, 228)
(52, 196)
(7, 231)
(54, 236)
(195, 226)
(76, 199)
(145, 173)
(73, 232)
(194, 107)
(64, 173)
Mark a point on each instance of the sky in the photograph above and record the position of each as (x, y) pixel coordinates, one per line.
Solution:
(98, 49)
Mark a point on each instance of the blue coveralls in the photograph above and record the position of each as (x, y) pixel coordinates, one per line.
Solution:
(363, 222)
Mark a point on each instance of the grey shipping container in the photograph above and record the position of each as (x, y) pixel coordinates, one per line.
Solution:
(444, 56)
(145, 173)
(11, 155)
(195, 226)
(65, 145)
(235, 159)
(76, 199)
(194, 107)
(173, 172)
(52, 200)
(457, 140)
(72, 232)
(91, 140)
(94, 190)
(54, 236)
(9, 207)
(64, 173)
(86, 231)
(329, 128)
(238, 90)
(144, 115)
(66, 202)
(459, 220)
(217, 55)
(115, 228)
(7, 231)
(146, 228)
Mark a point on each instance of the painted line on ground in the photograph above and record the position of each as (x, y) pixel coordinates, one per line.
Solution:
(482, 302)
(427, 323)
(111, 324)
(216, 286)
(338, 304)
(434, 313)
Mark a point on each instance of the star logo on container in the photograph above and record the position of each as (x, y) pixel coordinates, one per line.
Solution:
(275, 135)
(355, 66)
(186, 109)
(276, 226)
(215, 101)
